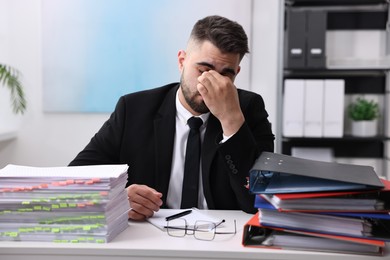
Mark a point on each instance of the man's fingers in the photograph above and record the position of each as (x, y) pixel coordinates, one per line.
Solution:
(143, 200)
(134, 215)
(139, 209)
(147, 202)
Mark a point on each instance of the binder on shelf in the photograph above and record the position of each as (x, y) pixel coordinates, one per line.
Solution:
(293, 107)
(274, 173)
(333, 120)
(296, 39)
(316, 31)
(313, 117)
(256, 235)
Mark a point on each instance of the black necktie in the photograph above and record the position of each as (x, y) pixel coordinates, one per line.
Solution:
(189, 196)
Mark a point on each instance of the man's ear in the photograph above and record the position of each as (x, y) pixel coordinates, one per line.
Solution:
(180, 58)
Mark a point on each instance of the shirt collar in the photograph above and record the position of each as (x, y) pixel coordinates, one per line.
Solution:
(183, 114)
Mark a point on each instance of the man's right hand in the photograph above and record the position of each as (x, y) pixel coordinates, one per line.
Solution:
(144, 201)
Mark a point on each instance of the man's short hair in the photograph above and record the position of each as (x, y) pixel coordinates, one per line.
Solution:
(228, 36)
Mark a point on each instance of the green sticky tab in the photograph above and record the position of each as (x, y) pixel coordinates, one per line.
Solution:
(74, 241)
(46, 208)
(55, 206)
(25, 202)
(37, 208)
(87, 228)
(55, 230)
(22, 230)
(100, 241)
(72, 205)
(63, 205)
(13, 234)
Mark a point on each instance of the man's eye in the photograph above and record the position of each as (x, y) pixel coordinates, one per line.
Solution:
(201, 71)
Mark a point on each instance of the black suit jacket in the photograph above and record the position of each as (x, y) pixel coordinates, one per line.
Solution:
(140, 133)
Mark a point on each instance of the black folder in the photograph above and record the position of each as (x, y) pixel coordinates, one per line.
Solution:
(274, 173)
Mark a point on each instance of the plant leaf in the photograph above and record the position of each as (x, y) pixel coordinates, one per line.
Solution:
(9, 77)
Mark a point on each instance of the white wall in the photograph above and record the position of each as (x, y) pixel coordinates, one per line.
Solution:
(53, 139)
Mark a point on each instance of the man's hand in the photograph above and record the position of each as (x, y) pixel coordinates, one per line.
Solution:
(221, 97)
(144, 201)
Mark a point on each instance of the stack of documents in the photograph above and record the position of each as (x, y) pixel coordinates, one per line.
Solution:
(337, 207)
(63, 204)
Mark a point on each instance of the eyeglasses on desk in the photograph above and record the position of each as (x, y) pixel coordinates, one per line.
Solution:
(202, 230)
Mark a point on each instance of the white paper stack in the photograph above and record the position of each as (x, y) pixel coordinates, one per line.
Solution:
(63, 204)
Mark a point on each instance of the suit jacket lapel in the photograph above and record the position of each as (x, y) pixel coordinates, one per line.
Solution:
(164, 131)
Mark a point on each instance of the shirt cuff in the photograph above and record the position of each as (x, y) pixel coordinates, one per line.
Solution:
(225, 138)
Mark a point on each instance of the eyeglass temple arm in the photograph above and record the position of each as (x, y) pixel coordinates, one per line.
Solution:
(235, 228)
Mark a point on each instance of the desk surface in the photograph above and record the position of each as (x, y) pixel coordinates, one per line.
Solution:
(144, 241)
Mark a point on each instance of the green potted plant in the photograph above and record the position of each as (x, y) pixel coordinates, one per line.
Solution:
(364, 114)
(9, 77)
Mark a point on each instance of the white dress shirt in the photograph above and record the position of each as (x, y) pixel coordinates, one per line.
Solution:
(178, 158)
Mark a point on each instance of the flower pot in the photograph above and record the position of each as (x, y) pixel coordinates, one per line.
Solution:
(364, 128)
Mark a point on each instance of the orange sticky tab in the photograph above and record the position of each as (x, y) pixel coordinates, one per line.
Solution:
(80, 205)
(43, 185)
(55, 183)
(89, 182)
(96, 180)
(70, 182)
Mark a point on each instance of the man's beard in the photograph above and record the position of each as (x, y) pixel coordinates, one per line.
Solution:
(199, 107)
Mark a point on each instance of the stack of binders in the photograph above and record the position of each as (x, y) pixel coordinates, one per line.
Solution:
(321, 206)
(81, 204)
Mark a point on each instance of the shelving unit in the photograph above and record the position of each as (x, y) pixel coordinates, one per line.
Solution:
(339, 23)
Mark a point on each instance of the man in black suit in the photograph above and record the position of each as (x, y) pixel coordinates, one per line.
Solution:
(148, 129)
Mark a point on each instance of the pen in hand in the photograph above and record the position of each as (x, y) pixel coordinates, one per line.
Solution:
(178, 215)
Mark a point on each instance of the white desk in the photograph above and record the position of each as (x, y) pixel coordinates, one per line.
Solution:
(144, 241)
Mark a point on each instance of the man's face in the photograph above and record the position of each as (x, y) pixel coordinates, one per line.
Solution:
(192, 63)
